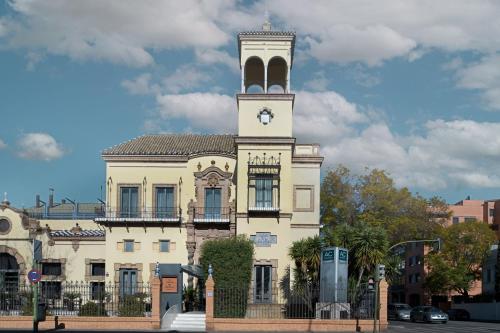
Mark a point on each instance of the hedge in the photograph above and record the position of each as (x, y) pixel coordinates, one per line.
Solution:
(232, 264)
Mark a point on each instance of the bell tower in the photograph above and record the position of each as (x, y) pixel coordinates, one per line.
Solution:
(265, 103)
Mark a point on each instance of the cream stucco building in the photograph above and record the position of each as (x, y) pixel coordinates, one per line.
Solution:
(167, 194)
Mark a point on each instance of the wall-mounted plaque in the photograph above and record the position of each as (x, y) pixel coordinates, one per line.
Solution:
(169, 284)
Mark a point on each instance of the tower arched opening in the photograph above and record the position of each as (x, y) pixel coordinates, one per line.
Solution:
(254, 75)
(277, 73)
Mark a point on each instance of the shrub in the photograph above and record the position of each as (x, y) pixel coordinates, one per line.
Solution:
(132, 305)
(231, 259)
(92, 309)
(232, 263)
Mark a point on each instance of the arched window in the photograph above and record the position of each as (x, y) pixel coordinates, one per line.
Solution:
(254, 75)
(9, 272)
(277, 72)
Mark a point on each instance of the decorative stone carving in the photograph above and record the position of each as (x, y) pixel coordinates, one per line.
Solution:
(213, 181)
(75, 244)
(226, 167)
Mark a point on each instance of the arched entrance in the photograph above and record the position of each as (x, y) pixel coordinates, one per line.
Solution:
(9, 272)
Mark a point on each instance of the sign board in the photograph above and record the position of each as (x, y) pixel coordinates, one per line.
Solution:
(169, 284)
(34, 275)
(342, 255)
(37, 250)
(333, 275)
(328, 255)
(264, 239)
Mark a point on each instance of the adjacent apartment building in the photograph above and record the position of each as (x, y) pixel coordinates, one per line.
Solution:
(410, 289)
(166, 194)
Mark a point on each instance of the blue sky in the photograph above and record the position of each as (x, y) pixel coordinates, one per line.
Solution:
(410, 87)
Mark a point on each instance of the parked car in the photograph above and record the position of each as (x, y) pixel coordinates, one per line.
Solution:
(428, 314)
(458, 314)
(399, 311)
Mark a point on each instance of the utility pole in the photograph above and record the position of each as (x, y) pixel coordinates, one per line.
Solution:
(34, 291)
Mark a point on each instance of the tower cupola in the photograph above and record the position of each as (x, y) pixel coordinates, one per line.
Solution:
(266, 58)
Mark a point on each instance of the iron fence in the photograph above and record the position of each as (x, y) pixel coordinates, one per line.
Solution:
(303, 303)
(78, 299)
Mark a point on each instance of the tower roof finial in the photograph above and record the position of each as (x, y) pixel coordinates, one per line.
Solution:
(267, 24)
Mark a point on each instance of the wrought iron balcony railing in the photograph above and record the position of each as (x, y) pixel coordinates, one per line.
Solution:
(212, 215)
(148, 214)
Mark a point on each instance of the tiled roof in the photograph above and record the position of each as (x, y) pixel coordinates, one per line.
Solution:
(83, 233)
(267, 33)
(176, 144)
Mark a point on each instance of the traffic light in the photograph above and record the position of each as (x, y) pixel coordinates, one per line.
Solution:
(380, 272)
(371, 284)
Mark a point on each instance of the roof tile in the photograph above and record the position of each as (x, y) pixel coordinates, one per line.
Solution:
(176, 144)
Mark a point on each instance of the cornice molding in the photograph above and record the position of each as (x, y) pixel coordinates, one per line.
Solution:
(308, 159)
(264, 140)
(304, 226)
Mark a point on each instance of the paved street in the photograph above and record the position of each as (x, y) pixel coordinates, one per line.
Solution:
(451, 326)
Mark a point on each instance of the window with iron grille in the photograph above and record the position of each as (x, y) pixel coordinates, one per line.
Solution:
(264, 184)
(51, 268)
(455, 220)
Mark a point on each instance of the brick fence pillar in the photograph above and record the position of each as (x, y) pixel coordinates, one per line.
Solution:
(209, 305)
(383, 303)
(155, 302)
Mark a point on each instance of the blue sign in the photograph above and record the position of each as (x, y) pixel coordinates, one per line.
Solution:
(34, 275)
(342, 255)
(329, 255)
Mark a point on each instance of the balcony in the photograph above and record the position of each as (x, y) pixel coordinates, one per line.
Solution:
(212, 215)
(67, 211)
(149, 214)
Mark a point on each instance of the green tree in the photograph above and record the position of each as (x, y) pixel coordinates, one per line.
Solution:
(458, 264)
(368, 248)
(306, 255)
(338, 197)
(375, 199)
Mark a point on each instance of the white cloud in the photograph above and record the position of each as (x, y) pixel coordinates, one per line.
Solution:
(319, 82)
(211, 56)
(3, 145)
(141, 85)
(184, 78)
(323, 116)
(483, 75)
(209, 111)
(117, 31)
(373, 31)
(33, 59)
(39, 146)
(373, 44)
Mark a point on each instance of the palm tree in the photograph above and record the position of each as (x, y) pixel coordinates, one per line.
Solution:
(369, 247)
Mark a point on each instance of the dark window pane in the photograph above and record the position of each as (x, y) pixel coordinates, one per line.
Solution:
(51, 289)
(129, 201)
(51, 268)
(98, 290)
(165, 202)
(98, 269)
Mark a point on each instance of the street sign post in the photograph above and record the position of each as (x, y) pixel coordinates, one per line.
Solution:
(34, 276)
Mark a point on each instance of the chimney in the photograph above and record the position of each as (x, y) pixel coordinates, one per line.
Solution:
(37, 201)
(51, 197)
(63, 201)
